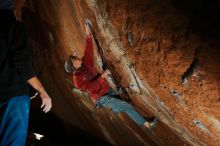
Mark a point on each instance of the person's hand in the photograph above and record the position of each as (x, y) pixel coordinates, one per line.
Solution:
(88, 28)
(46, 101)
(105, 73)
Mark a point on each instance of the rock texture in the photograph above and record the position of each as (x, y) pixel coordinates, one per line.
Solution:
(164, 53)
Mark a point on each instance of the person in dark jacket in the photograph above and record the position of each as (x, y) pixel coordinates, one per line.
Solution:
(87, 78)
(15, 72)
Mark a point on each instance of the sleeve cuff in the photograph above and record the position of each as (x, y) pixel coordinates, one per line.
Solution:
(28, 76)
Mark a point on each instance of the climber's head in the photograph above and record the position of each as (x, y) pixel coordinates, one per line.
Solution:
(73, 63)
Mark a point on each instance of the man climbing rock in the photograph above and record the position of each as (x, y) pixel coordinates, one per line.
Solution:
(87, 78)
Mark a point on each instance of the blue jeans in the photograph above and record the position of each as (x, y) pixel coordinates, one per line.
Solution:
(14, 115)
(117, 105)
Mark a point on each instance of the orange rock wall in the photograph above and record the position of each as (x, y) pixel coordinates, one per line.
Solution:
(167, 62)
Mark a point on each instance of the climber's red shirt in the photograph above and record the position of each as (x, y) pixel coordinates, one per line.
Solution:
(87, 77)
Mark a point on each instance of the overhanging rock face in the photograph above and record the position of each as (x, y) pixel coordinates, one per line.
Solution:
(163, 53)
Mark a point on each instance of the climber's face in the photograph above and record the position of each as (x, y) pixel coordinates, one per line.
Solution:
(77, 63)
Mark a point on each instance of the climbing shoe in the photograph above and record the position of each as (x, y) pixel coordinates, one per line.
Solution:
(153, 124)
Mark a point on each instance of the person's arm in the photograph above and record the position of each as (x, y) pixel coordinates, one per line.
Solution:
(88, 57)
(81, 83)
(46, 100)
(21, 59)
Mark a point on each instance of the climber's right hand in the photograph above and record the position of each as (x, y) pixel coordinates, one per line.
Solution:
(88, 29)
